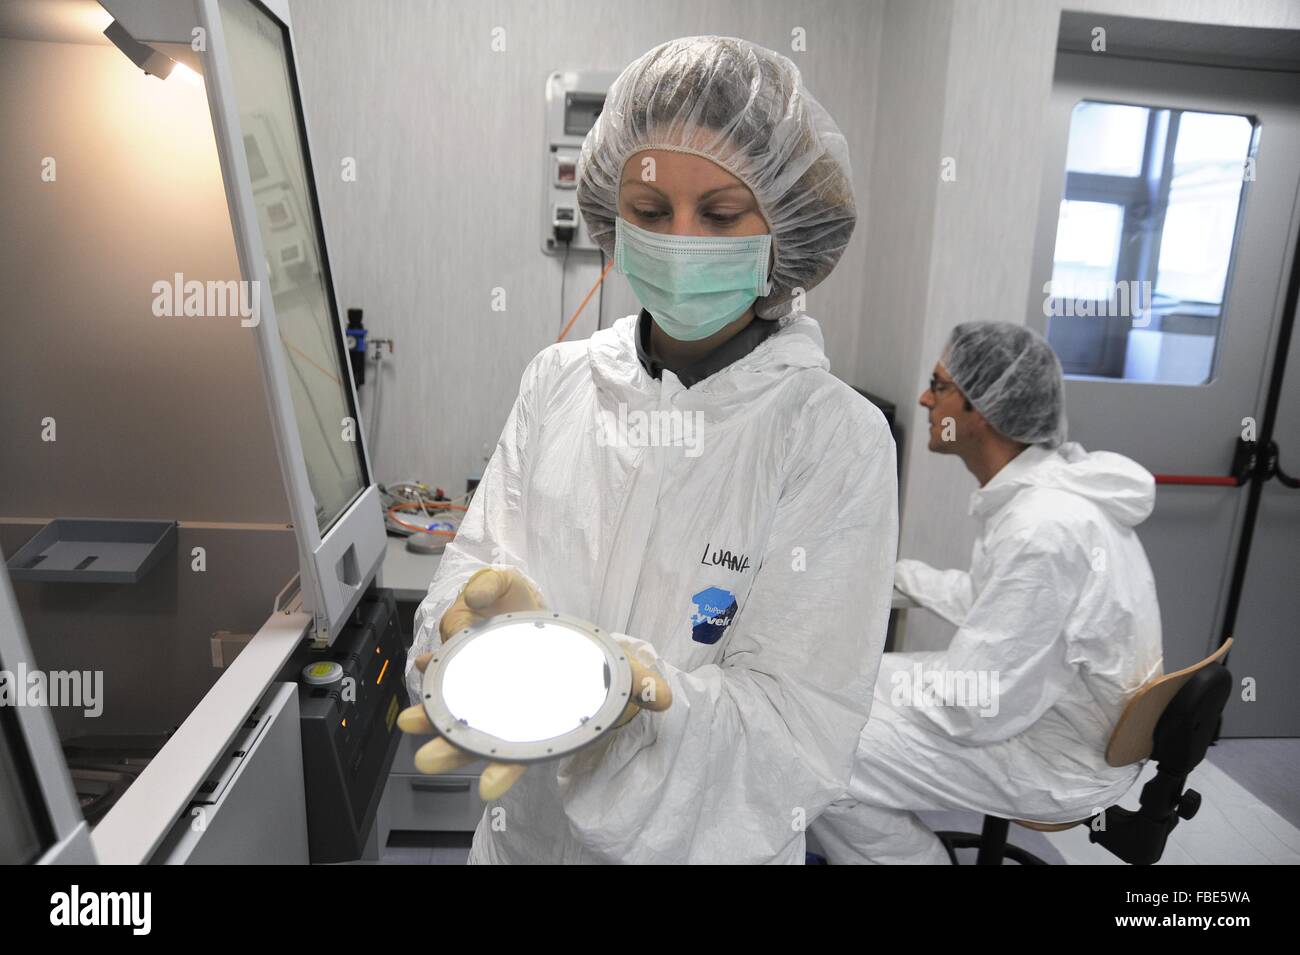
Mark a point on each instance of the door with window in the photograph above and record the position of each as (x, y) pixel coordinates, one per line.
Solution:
(1167, 223)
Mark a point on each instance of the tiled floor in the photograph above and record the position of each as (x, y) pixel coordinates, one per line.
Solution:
(1269, 768)
(1232, 828)
(1250, 814)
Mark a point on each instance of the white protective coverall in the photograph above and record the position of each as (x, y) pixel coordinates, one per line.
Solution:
(755, 557)
(1060, 604)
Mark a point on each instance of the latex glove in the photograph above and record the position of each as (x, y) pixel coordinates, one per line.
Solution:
(490, 592)
(650, 691)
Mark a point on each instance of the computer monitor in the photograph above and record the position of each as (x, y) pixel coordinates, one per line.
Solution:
(266, 162)
(244, 50)
(288, 223)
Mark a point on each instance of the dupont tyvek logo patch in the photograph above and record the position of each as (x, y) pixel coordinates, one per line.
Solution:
(714, 610)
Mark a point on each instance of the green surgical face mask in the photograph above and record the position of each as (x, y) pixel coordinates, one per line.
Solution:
(692, 285)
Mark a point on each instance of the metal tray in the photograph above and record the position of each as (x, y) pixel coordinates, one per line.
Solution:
(74, 550)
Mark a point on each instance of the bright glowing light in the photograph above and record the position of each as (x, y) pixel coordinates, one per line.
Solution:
(525, 682)
(181, 71)
(93, 17)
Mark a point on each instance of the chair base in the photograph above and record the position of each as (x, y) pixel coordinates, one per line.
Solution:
(992, 844)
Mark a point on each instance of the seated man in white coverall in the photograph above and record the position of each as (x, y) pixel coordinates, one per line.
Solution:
(1057, 621)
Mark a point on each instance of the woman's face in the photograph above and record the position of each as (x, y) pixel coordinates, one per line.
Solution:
(683, 194)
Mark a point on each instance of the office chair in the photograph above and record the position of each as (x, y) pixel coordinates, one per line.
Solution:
(1172, 720)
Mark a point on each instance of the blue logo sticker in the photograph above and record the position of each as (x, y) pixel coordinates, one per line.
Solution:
(714, 610)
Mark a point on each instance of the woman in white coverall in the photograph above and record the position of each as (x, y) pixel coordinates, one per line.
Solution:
(748, 549)
(1057, 620)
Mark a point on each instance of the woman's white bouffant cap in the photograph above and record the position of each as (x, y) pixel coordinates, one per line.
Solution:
(745, 108)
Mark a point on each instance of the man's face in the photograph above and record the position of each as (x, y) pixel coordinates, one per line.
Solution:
(948, 414)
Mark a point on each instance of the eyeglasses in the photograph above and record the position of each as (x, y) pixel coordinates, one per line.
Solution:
(940, 385)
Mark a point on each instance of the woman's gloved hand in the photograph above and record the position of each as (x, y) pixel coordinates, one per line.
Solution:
(650, 691)
(489, 593)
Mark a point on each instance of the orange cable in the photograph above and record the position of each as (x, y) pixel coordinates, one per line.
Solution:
(586, 300)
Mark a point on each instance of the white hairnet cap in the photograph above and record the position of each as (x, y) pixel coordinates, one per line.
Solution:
(1012, 377)
(745, 108)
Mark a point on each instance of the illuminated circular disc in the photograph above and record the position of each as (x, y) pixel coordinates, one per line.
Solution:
(525, 687)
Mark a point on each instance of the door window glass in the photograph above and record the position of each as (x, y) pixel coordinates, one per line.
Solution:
(1145, 239)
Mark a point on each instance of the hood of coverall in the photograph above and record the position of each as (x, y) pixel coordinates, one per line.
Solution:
(1121, 487)
(740, 387)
